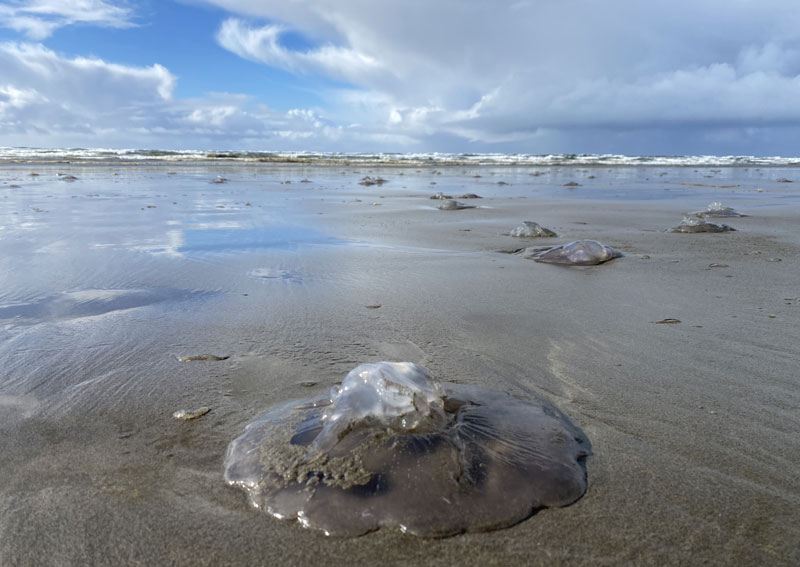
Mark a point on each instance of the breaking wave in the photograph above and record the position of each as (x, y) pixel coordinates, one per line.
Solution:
(61, 155)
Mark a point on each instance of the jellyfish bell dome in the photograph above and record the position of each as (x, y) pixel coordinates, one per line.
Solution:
(391, 447)
(578, 253)
(400, 395)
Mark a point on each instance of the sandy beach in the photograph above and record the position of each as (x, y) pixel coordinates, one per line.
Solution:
(297, 274)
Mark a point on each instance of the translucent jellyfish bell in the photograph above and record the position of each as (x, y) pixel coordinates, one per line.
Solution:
(530, 229)
(397, 393)
(717, 209)
(453, 205)
(577, 253)
(392, 447)
(698, 224)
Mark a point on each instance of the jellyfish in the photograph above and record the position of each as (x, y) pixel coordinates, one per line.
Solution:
(717, 209)
(391, 447)
(530, 229)
(452, 205)
(369, 181)
(578, 253)
(694, 224)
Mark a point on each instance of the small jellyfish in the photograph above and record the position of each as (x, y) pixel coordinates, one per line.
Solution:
(391, 447)
(451, 205)
(369, 181)
(694, 224)
(717, 209)
(530, 229)
(578, 253)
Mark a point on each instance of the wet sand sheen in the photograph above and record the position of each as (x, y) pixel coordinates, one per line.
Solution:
(692, 424)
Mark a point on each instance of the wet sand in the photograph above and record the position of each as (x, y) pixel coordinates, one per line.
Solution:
(107, 280)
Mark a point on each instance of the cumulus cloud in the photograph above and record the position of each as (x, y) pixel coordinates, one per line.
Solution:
(52, 99)
(39, 18)
(49, 99)
(87, 86)
(452, 75)
(263, 44)
(511, 70)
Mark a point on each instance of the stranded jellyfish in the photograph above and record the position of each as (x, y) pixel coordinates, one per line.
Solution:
(452, 205)
(578, 253)
(391, 447)
(694, 224)
(530, 229)
(717, 209)
(441, 196)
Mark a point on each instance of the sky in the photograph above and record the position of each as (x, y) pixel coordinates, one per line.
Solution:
(655, 77)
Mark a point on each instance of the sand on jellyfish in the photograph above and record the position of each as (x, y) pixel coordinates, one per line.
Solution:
(391, 447)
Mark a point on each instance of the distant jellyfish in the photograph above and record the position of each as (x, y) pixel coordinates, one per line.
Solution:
(578, 253)
(391, 447)
(694, 224)
(452, 205)
(369, 181)
(717, 209)
(530, 229)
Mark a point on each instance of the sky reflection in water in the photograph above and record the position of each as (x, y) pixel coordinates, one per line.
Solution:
(199, 240)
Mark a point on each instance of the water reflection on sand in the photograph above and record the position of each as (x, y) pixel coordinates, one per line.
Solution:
(106, 282)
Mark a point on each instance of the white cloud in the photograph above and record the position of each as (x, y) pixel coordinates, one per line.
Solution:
(263, 44)
(39, 18)
(48, 99)
(509, 71)
(450, 75)
(13, 98)
(86, 85)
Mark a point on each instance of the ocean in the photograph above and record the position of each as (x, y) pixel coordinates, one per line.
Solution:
(84, 155)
